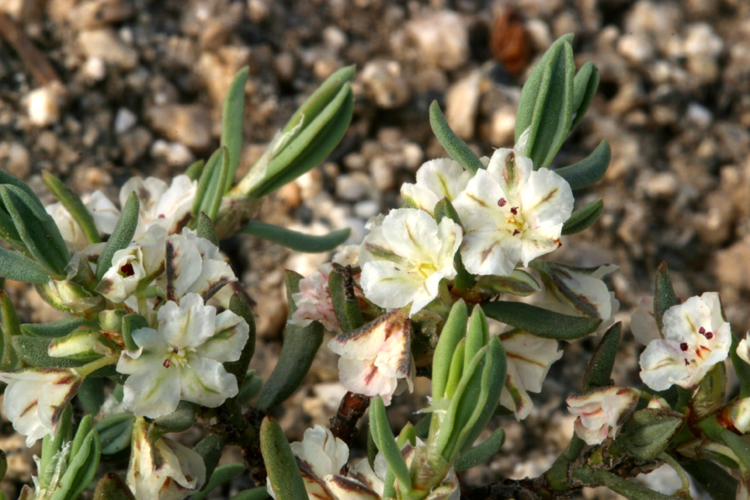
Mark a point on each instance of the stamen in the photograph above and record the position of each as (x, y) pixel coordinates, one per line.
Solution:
(514, 210)
(701, 330)
(127, 270)
(167, 362)
(516, 231)
(684, 346)
(175, 350)
(709, 335)
(501, 202)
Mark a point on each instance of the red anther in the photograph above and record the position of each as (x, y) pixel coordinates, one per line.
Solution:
(514, 210)
(516, 231)
(684, 346)
(701, 330)
(167, 362)
(127, 270)
(501, 202)
(709, 335)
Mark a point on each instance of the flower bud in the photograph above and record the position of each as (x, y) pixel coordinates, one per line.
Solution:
(86, 345)
(601, 412)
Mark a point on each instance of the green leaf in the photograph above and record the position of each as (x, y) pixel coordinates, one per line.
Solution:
(81, 469)
(250, 388)
(519, 283)
(546, 104)
(664, 296)
(585, 84)
(51, 447)
(112, 487)
(257, 493)
(91, 395)
(179, 420)
(631, 491)
(58, 328)
(589, 170)
(74, 205)
(583, 217)
(600, 365)
(740, 447)
(454, 146)
(209, 177)
(347, 311)
(33, 351)
(6, 178)
(482, 452)
(205, 229)
(311, 146)
(210, 448)
(121, 236)
(477, 335)
(294, 239)
(221, 475)
(283, 473)
(386, 443)
(239, 306)
(711, 392)
(195, 170)
(83, 430)
(297, 354)
(456, 369)
(37, 230)
(712, 478)
(453, 331)
(232, 120)
(541, 322)
(115, 432)
(648, 432)
(9, 328)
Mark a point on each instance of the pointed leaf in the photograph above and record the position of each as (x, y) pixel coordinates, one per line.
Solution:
(179, 420)
(239, 306)
(600, 365)
(258, 493)
(294, 239)
(631, 491)
(209, 176)
(283, 473)
(205, 229)
(346, 307)
(115, 432)
(583, 217)
(713, 479)
(221, 475)
(541, 322)
(477, 335)
(91, 395)
(664, 296)
(81, 469)
(589, 170)
(210, 448)
(739, 446)
(481, 453)
(453, 331)
(74, 205)
(454, 146)
(121, 236)
(319, 99)
(585, 84)
(195, 170)
(232, 119)
(386, 443)
(58, 328)
(648, 432)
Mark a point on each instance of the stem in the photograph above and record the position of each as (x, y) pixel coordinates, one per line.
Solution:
(684, 490)
(88, 368)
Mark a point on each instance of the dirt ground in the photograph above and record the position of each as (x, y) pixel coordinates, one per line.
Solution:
(99, 90)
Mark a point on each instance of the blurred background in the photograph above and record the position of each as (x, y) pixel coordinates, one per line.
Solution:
(99, 90)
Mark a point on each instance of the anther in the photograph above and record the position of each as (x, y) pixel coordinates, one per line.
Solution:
(501, 202)
(167, 363)
(684, 346)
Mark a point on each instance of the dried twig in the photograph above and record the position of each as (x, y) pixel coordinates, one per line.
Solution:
(34, 59)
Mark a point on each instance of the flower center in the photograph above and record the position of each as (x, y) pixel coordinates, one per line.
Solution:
(177, 356)
(426, 270)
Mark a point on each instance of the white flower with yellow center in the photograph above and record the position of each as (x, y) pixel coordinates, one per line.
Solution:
(601, 412)
(182, 360)
(436, 179)
(696, 337)
(511, 214)
(405, 257)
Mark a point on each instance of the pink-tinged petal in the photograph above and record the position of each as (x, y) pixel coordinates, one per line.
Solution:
(643, 324)
(363, 377)
(314, 302)
(601, 412)
(206, 382)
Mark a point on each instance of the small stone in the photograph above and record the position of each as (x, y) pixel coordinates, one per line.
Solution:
(733, 265)
(699, 116)
(290, 195)
(354, 186)
(124, 120)
(503, 127)
(461, 103)
(539, 34)
(382, 174)
(95, 69)
(702, 49)
(43, 105)
(440, 39)
(257, 10)
(19, 160)
(134, 144)
(355, 161)
(385, 84)
(412, 155)
(105, 43)
(367, 209)
(47, 142)
(636, 48)
(661, 185)
(99, 13)
(174, 153)
(189, 124)
(334, 38)
(285, 64)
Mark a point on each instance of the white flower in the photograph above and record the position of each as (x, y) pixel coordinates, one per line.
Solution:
(313, 300)
(377, 357)
(196, 266)
(103, 211)
(36, 398)
(740, 415)
(436, 179)
(406, 256)
(601, 412)
(511, 214)
(320, 456)
(139, 261)
(529, 358)
(183, 359)
(642, 322)
(696, 337)
(164, 469)
(578, 291)
(167, 206)
(347, 256)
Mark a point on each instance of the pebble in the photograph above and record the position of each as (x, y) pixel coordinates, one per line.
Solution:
(382, 174)
(174, 153)
(636, 48)
(134, 144)
(334, 38)
(732, 266)
(354, 186)
(355, 161)
(698, 115)
(702, 49)
(189, 124)
(19, 160)
(412, 155)
(95, 69)
(43, 105)
(285, 65)
(99, 13)
(441, 39)
(385, 84)
(503, 127)
(105, 43)
(461, 103)
(124, 120)
(367, 209)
